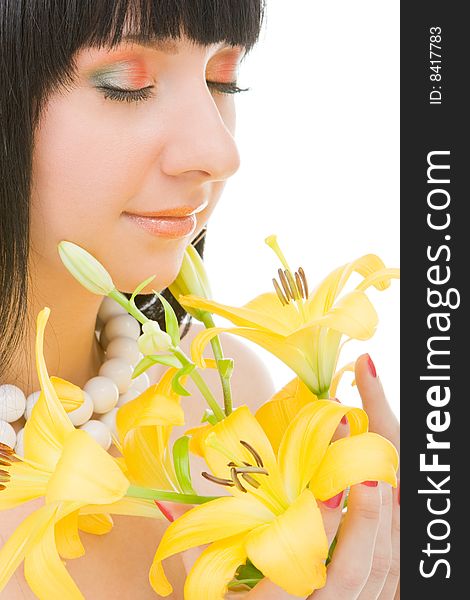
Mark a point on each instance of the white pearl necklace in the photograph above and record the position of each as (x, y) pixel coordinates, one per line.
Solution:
(117, 332)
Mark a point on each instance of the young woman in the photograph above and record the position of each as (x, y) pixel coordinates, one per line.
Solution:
(113, 112)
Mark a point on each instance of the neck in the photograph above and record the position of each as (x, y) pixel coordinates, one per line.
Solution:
(70, 347)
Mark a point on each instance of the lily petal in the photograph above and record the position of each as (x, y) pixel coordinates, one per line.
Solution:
(213, 521)
(323, 297)
(292, 549)
(97, 524)
(239, 426)
(215, 568)
(264, 311)
(280, 346)
(45, 432)
(275, 415)
(69, 544)
(307, 439)
(26, 483)
(86, 473)
(351, 460)
(45, 572)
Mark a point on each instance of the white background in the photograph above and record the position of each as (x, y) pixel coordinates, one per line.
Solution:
(318, 135)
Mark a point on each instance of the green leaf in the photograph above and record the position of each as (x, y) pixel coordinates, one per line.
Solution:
(145, 363)
(172, 326)
(139, 288)
(175, 382)
(225, 367)
(246, 574)
(209, 417)
(182, 465)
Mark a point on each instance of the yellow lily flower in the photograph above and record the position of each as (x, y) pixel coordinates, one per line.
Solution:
(272, 517)
(74, 474)
(302, 329)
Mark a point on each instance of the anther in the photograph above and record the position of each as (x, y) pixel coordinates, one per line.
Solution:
(279, 293)
(285, 285)
(236, 481)
(251, 480)
(253, 452)
(2, 487)
(304, 281)
(294, 291)
(4, 463)
(217, 480)
(4, 475)
(6, 449)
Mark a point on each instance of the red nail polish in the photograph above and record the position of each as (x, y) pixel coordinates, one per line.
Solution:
(372, 368)
(370, 483)
(165, 512)
(334, 502)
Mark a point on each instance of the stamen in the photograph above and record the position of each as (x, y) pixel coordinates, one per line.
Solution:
(294, 291)
(279, 293)
(249, 479)
(4, 449)
(2, 487)
(304, 281)
(253, 452)
(285, 285)
(217, 480)
(4, 475)
(5, 463)
(233, 473)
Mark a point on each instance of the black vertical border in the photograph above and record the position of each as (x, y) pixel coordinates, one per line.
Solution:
(426, 128)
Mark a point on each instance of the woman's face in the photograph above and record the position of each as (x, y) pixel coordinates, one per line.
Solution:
(101, 162)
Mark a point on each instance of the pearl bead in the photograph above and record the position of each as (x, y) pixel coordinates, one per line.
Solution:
(7, 434)
(122, 326)
(110, 308)
(125, 348)
(80, 415)
(103, 339)
(119, 371)
(140, 383)
(104, 393)
(30, 402)
(99, 432)
(19, 446)
(109, 419)
(12, 402)
(128, 396)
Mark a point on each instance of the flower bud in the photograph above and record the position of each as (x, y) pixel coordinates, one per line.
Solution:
(153, 339)
(86, 269)
(192, 279)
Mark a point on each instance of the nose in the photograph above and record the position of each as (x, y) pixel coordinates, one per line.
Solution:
(198, 138)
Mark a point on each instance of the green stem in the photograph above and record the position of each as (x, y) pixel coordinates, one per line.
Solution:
(134, 491)
(131, 309)
(219, 355)
(201, 384)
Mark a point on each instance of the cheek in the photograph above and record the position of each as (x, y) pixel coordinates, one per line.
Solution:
(87, 162)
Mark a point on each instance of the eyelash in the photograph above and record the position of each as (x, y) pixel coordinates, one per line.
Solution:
(122, 95)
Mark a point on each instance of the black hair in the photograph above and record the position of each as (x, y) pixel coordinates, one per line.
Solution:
(38, 42)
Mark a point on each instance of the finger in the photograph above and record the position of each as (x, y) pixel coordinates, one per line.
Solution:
(383, 548)
(352, 559)
(381, 417)
(332, 512)
(390, 591)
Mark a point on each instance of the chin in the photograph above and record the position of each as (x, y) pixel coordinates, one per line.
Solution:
(164, 265)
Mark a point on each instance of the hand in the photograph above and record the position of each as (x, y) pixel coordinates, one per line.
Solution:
(365, 564)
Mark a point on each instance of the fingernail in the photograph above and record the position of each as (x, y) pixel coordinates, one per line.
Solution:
(370, 483)
(334, 502)
(165, 512)
(344, 420)
(372, 368)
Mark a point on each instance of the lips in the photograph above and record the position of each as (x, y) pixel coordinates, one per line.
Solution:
(184, 210)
